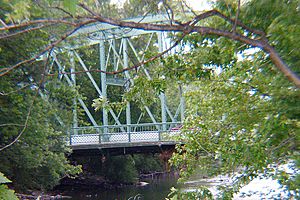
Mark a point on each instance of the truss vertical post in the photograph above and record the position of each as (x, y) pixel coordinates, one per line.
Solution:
(115, 63)
(162, 95)
(103, 82)
(73, 79)
(182, 103)
(125, 62)
(70, 83)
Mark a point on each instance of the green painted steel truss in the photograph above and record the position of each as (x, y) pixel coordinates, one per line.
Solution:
(117, 48)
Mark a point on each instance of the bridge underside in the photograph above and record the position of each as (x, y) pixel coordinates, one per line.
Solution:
(122, 149)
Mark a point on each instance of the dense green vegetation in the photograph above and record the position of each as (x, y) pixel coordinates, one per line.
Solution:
(245, 119)
(127, 168)
(38, 159)
(242, 113)
(122, 168)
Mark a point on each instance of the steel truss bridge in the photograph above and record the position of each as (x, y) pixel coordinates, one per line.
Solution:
(117, 48)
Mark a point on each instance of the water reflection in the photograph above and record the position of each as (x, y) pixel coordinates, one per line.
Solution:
(157, 189)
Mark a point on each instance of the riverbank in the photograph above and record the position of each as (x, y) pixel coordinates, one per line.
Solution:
(94, 181)
(41, 196)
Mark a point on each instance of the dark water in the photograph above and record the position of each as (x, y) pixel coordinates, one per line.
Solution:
(157, 189)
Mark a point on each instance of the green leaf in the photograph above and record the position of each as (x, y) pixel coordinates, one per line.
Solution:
(3, 179)
(6, 193)
(70, 5)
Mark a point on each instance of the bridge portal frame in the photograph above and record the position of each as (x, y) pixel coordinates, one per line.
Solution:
(101, 34)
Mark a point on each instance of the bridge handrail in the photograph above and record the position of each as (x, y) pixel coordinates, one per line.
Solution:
(127, 133)
(127, 125)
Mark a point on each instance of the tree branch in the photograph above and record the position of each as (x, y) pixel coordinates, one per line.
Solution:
(132, 67)
(63, 10)
(260, 43)
(5, 71)
(185, 28)
(11, 124)
(3, 36)
(24, 126)
(40, 21)
(232, 21)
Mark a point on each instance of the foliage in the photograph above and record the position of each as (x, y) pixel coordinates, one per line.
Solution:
(121, 169)
(104, 103)
(202, 193)
(3, 179)
(239, 121)
(281, 23)
(6, 193)
(247, 118)
(37, 160)
(244, 119)
(135, 8)
(126, 168)
(151, 89)
(147, 163)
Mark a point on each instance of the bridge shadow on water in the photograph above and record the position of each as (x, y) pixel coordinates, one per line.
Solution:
(157, 189)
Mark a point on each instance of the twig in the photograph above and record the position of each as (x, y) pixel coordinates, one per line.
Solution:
(236, 16)
(6, 94)
(30, 108)
(3, 23)
(63, 10)
(5, 71)
(39, 21)
(128, 68)
(11, 124)
(3, 36)
(169, 11)
(232, 21)
(186, 5)
(24, 126)
(281, 144)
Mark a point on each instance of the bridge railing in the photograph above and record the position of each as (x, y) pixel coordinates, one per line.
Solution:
(148, 132)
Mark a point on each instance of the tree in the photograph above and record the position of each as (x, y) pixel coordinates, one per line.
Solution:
(120, 169)
(245, 35)
(37, 159)
(248, 111)
(245, 119)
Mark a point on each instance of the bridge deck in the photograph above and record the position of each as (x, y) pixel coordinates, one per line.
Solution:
(124, 134)
(123, 148)
(123, 144)
(135, 138)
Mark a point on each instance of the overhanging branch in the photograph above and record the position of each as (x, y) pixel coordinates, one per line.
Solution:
(185, 28)
(260, 43)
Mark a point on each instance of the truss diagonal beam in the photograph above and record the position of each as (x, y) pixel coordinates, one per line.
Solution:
(132, 82)
(79, 99)
(146, 71)
(95, 85)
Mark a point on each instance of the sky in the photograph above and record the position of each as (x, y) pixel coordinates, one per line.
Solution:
(198, 4)
(195, 4)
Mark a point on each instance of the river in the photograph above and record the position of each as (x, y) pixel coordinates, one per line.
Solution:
(157, 189)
